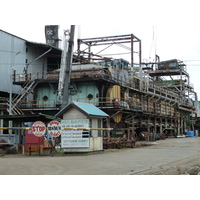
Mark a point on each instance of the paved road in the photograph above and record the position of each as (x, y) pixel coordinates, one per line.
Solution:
(111, 162)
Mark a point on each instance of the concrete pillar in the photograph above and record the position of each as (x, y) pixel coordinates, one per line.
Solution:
(133, 126)
(171, 121)
(166, 126)
(182, 124)
(154, 134)
(10, 131)
(178, 124)
(148, 123)
(185, 124)
(161, 128)
(1, 122)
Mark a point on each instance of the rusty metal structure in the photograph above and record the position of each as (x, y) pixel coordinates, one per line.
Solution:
(155, 98)
(86, 55)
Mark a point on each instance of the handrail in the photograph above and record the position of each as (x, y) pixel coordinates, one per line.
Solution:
(145, 106)
(116, 78)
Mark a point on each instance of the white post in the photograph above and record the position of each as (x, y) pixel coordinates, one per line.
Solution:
(1, 123)
(11, 84)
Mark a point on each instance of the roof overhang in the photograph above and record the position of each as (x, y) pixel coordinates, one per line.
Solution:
(54, 50)
(30, 118)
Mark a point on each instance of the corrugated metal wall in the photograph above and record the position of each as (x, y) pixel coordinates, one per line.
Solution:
(46, 96)
(87, 93)
(39, 65)
(10, 58)
(114, 93)
(15, 54)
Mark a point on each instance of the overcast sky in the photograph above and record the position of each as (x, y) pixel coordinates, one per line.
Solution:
(167, 28)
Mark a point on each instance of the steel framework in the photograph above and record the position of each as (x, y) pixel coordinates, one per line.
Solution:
(108, 42)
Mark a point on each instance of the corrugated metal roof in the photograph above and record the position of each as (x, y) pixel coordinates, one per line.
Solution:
(12, 34)
(30, 42)
(87, 109)
(90, 109)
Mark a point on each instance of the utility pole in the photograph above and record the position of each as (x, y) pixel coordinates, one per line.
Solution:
(68, 68)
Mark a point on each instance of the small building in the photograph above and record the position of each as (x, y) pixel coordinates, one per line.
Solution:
(82, 127)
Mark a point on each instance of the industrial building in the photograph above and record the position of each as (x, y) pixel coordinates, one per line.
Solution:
(143, 100)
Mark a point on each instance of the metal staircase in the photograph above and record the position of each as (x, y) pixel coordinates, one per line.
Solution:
(15, 110)
(17, 100)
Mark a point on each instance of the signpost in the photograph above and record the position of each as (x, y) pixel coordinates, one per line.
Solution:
(39, 129)
(54, 128)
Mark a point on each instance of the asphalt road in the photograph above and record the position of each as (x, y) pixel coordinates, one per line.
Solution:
(159, 155)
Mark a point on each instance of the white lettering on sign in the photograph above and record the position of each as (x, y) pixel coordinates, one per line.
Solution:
(39, 129)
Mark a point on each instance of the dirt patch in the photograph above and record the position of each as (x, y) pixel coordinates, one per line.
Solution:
(164, 157)
(181, 167)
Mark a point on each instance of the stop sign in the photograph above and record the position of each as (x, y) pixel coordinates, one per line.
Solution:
(54, 128)
(39, 129)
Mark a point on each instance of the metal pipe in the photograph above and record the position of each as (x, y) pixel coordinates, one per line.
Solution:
(11, 84)
(38, 57)
(132, 61)
(140, 52)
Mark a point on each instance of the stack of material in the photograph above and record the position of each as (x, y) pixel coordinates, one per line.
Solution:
(120, 142)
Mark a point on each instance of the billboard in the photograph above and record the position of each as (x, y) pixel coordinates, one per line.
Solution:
(51, 33)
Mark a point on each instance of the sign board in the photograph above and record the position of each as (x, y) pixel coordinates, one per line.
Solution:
(75, 138)
(54, 128)
(39, 129)
(51, 32)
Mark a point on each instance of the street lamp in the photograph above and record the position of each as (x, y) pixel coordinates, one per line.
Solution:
(11, 84)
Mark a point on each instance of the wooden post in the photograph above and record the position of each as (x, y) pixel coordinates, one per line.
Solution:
(29, 149)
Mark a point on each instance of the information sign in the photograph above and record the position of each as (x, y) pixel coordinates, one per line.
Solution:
(54, 128)
(39, 129)
(75, 138)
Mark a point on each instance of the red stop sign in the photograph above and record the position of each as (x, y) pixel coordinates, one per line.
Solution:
(39, 129)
